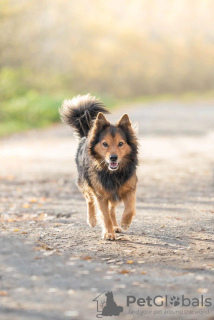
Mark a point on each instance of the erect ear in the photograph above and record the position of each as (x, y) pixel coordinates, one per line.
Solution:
(124, 121)
(101, 121)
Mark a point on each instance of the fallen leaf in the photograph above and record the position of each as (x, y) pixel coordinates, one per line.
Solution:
(143, 272)
(33, 200)
(130, 261)
(26, 205)
(86, 258)
(3, 293)
(202, 290)
(124, 271)
(16, 230)
(43, 245)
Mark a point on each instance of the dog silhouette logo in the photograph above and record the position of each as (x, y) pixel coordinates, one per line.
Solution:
(106, 306)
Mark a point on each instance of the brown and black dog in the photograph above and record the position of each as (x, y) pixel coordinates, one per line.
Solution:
(106, 162)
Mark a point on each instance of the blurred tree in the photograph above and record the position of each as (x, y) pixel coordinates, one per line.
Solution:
(122, 48)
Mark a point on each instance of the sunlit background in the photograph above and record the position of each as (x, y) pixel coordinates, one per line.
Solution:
(119, 50)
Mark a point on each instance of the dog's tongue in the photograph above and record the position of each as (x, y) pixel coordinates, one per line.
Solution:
(113, 164)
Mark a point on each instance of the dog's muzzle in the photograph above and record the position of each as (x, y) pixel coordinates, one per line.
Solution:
(113, 164)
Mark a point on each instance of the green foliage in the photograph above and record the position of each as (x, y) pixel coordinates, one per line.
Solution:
(139, 50)
(24, 108)
(28, 111)
(136, 48)
(29, 100)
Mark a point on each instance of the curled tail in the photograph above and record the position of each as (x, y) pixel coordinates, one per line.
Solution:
(80, 112)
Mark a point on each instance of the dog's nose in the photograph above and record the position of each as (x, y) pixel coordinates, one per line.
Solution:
(113, 157)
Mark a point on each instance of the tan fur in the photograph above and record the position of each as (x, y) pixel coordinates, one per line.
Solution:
(112, 147)
(101, 198)
(107, 208)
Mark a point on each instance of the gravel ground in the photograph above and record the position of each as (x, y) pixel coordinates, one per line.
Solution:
(52, 265)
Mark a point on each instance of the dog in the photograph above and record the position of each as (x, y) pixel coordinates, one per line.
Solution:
(111, 308)
(106, 159)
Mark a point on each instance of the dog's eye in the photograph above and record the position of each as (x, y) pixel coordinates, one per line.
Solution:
(105, 144)
(120, 144)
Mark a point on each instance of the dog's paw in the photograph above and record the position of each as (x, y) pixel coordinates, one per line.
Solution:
(117, 229)
(92, 221)
(126, 221)
(109, 236)
(125, 226)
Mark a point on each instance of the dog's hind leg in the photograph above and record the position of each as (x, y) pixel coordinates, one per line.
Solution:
(108, 229)
(113, 218)
(129, 211)
(91, 210)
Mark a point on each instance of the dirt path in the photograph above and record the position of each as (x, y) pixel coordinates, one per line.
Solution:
(52, 265)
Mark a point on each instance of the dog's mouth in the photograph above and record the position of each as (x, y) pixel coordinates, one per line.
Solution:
(113, 165)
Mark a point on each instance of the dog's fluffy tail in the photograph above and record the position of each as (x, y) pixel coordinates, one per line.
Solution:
(80, 112)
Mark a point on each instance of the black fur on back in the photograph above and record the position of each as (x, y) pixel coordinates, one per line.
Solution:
(80, 112)
(83, 162)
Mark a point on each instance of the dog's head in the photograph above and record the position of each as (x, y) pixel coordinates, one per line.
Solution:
(112, 146)
(109, 294)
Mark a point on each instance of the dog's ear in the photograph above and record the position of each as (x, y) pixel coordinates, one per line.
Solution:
(124, 121)
(99, 124)
(101, 121)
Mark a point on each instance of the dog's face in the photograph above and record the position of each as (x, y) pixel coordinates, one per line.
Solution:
(112, 145)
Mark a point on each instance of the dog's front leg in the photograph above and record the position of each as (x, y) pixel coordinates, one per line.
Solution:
(113, 218)
(129, 211)
(108, 230)
(91, 214)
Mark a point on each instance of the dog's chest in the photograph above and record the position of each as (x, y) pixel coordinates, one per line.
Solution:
(112, 181)
(115, 187)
